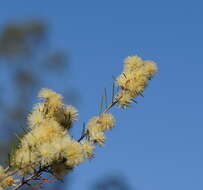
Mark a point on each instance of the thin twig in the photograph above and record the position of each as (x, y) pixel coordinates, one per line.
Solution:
(105, 111)
(112, 104)
(82, 137)
(34, 176)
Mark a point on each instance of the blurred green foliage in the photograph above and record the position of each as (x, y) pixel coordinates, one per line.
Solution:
(111, 182)
(26, 64)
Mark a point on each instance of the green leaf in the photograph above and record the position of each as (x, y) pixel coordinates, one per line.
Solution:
(105, 98)
(101, 105)
(113, 92)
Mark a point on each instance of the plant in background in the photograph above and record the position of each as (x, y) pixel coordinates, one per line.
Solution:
(47, 146)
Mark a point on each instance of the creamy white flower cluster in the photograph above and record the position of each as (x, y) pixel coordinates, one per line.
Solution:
(48, 143)
(134, 78)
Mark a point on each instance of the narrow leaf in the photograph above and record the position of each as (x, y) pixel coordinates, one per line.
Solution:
(101, 105)
(113, 91)
(105, 98)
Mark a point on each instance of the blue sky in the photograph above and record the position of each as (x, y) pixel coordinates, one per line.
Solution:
(157, 145)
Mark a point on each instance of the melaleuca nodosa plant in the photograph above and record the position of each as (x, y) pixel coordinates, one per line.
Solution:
(47, 148)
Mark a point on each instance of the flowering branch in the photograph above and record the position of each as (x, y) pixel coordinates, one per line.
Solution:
(105, 111)
(47, 146)
(35, 176)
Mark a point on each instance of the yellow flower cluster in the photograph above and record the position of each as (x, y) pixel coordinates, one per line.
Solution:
(134, 79)
(98, 125)
(5, 180)
(48, 142)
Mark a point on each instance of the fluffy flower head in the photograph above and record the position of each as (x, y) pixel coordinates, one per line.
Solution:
(74, 154)
(134, 79)
(106, 121)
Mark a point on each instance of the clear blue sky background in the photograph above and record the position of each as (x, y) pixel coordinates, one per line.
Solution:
(157, 145)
